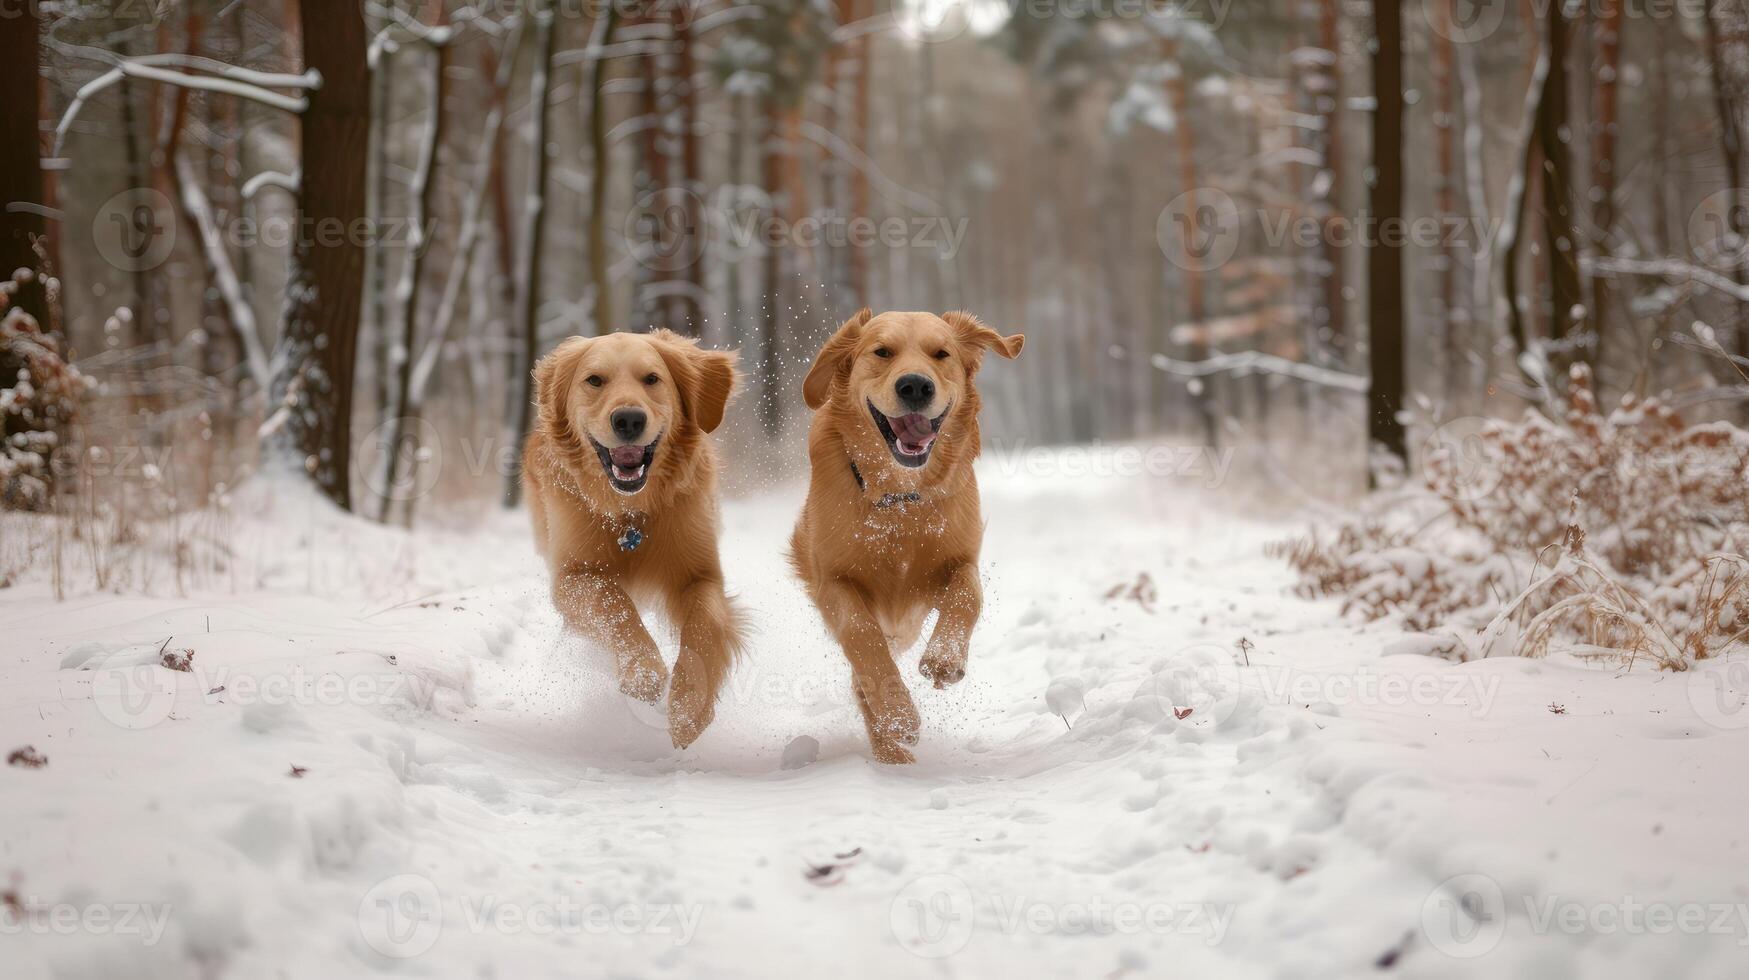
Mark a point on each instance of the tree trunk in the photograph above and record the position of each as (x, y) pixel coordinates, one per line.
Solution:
(1731, 145)
(314, 384)
(1196, 307)
(652, 300)
(1603, 110)
(422, 194)
(687, 308)
(772, 157)
(376, 275)
(1445, 193)
(529, 259)
(1384, 253)
(21, 178)
(601, 158)
(1336, 305)
(1566, 310)
(861, 200)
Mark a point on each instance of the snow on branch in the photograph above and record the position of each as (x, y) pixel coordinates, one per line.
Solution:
(228, 85)
(846, 151)
(270, 178)
(1673, 270)
(212, 243)
(1245, 363)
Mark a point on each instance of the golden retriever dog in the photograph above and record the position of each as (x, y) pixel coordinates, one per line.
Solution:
(891, 528)
(622, 488)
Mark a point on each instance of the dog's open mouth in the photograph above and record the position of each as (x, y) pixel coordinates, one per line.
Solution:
(628, 467)
(910, 437)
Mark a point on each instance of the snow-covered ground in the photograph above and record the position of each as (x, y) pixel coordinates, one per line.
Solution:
(385, 758)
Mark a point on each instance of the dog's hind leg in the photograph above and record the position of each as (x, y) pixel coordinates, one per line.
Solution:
(887, 709)
(710, 639)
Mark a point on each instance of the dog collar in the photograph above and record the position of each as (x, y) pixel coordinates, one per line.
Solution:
(887, 499)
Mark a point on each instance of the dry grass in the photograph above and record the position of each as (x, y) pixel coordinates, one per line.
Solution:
(1614, 536)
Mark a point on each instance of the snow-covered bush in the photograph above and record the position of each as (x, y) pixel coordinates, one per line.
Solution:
(1652, 492)
(1615, 535)
(39, 394)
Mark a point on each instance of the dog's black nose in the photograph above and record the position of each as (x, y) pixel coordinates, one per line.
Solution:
(915, 391)
(628, 423)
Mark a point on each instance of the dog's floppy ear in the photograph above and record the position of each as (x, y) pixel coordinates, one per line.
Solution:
(976, 338)
(832, 359)
(554, 376)
(704, 378)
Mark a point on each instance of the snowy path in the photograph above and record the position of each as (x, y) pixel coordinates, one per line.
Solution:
(475, 800)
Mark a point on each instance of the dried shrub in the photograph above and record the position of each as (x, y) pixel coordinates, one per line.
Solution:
(1655, 492)
(39, 397)
(1659, 575)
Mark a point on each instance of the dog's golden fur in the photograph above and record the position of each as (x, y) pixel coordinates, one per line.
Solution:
(580, 518)
(880, 544)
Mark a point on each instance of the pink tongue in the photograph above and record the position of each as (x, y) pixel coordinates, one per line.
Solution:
(626, 457)
(913, 428)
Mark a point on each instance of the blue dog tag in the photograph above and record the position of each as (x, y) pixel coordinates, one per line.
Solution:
(630, 540)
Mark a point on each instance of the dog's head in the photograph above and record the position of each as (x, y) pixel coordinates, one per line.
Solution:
(908, 376)
(634, 402)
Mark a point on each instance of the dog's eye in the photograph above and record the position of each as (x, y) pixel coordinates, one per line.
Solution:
(941, 355)
(594, 380)
(882, 352)
(651, 379)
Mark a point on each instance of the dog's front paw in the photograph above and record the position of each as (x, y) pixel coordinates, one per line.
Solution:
(643, 677)
(944, 662)
(689, 714)
(891, 752)
(692, 705)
